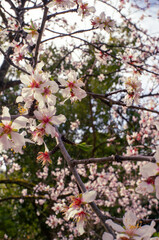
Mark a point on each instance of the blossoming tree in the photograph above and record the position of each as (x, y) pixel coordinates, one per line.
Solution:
(79, 126)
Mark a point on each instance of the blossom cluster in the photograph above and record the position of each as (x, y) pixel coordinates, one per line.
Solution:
(76, 210)
(102, 22)
(38, 98)
(133, 87)
(150, 172)
(131, 230)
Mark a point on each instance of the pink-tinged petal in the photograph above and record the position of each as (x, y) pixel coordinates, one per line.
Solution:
(71, 212)
(6, 119)
(66, 92)
(46, 148)
(62, 81)
(51, 110)
(42, 103)
(129, 219)
(157, 187)
(39, 66)
(19, 122)
(126, 237)
(50, 130)
(115, 226)
(19, 99)
(80, 226)
(79, 93)
(107, 236)
(144, 187)
(27, 93)
(51, 100)
(5, 143)
(146, 231)
(18, 139)
(37, 95)
(157, 154)
(148, 170)
(89, 196)
(58, 119)
(38, 115)
(25, 79)
(137, 238)
(54, 86)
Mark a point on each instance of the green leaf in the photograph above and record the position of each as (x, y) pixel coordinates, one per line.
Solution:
(51, 78)
(84, 146)
(156, 234)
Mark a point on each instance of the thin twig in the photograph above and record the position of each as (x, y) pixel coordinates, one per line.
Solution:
(40, 35)
(22, 197)
(63, 12)
(114, 158)
(104, 96)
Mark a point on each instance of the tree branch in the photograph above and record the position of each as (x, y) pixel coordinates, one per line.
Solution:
(18, 182)
(79, 181)
(114, 158)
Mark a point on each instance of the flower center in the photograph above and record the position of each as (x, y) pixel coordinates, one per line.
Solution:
(7, 129)
(46, 119)
(151, 180)
(131, 230)
(77, 202)
(47, 91)
(71, 84)
(34, 84)
(84, 6)
(81, 216)
(59, 1)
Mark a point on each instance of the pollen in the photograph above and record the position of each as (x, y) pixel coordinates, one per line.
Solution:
(21, 109)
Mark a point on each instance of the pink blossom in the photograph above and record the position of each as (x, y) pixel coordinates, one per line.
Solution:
(75, 125)
(75, 209)
(44, 157)
(73, 87)
(84, 9)
(150, 172)
(47, 119)
(9, 136)
(102, 22)
(61, 3)
(132, 230)
(133, 87)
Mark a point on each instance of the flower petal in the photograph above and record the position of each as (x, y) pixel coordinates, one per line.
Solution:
(89, 196)
(146, 231)
(6, 119)
(148, 170)
(115, 226)
(107, 236)
(80, 225)
(157, 187)
(129, 219)
(58, 119)
(157, 154)
(19, 122)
